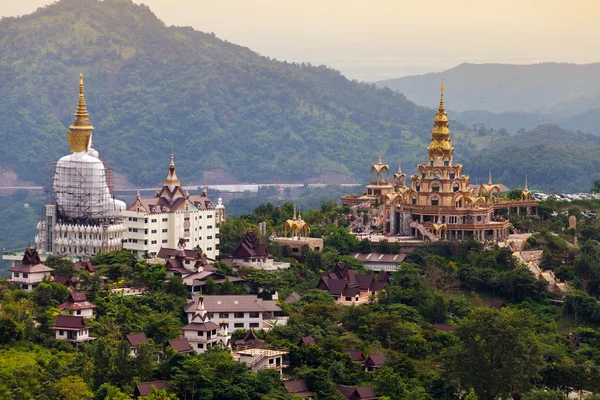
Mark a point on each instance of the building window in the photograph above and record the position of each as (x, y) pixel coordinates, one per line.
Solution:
(78, 312)
(199, 216)
(209, 216)
(434, 202)
(435, 187)
(208, 248)
(200, 345)
(186, 219)
(61, 333)
(452, 175)
(414, 200)
(271, 361)
(423, 175)
(186, 229)
(348, 298)
(145, 220)
(164, 231)
(164, 241)
(153, 220)
(208, 237)
(253, 315)
(455, 187)
(238, 315)
(238, 325)
(446, 163)
(153, 230)
(209, 227)
(16, 274)
(224, 315)
(254, 324)
(164, 220)
(153, 242)
(418, 187)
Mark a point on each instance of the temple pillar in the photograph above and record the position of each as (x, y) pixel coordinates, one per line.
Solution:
(528, 210)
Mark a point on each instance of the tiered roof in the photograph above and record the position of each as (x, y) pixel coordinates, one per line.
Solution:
(342, 281)
(250, 246)
(77, 301)
(31, 263)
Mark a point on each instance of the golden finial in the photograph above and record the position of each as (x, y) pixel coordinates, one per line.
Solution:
(81, 129)
(379, 162)
(526, 185)
(490, 178)
(442, 88)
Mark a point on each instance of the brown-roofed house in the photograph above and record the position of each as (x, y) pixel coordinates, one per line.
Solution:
(306, 340)
(292, 298)
(298, 388)
(85, 265)
(349, 287)
(145, 388)
(357, 392)
(497, 304)
(31, 272)
(78, 305)
(444, 327)
(357, 355)
(250, 340)
(374, 361)
(134, 340)
(250, 252)
(181, 346)
(71, 328)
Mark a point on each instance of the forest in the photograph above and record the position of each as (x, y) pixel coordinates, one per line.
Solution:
(152, 88)
(538, 345)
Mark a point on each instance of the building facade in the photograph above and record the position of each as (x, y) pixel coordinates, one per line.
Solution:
(31, 272)
(172, 214)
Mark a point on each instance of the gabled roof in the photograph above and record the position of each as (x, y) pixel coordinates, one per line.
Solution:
(342, 281)
(62, 279)
(375, 360)
(78, 301)
(297, 388)
(136, 338)
(31, 263)
(250, 246)
(201, 323)
(87, 265)
(306, 340)
(357, 392)
(78, 296)
(356, 355)
(250, 338)
(69, 322)
(145, 388)
(181, 345)
(292, 298)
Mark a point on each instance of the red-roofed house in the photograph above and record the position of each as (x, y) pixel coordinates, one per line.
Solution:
(71, 328)
(250, 252)
(181, 346)
(31, 272)
(78, 305)
(349, 287)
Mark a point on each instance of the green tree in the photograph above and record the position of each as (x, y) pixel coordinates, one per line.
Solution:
(498, 352)
(73, 387)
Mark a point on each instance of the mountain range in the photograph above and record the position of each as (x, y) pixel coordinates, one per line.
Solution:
(514, 96)
(220, 107)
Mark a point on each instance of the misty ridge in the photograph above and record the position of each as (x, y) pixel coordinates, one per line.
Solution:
(514, 97)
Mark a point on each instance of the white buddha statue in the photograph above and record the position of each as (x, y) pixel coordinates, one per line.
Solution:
(80, 178)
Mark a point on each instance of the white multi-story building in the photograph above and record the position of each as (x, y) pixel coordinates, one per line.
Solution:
(238, 311)
(172, 214)
(202, 333)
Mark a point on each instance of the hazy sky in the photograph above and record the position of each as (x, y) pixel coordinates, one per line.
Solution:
(377, 39)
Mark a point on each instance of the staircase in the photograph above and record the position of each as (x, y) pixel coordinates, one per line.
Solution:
(424, 231)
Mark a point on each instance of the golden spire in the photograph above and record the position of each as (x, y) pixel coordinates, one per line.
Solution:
(440, 135)
(81, 129)
(490, 178)
(526, 185)
(172, 178)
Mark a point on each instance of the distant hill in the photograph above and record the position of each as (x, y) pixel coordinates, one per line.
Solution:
(553, 159)
(514, 96)
(223, 106)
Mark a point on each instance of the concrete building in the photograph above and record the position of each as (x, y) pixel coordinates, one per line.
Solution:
(250, 252)
(379, 261)
(201, 333)
(172, 214)
(31, 272)
(350, 288)
(237, 311)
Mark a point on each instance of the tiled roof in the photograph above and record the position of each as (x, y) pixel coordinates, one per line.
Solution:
(306, 340)
(145, 388)
(78, 296)
(136, 338)
(233, 303)
(375, 360)
(357, 392)
(342, 281)
(356, 355)
(292, 298)
(80, 305)
(181, 345)
(69, 322)
(84, 264)
(250, 246)
(298, 388)
(380, 257)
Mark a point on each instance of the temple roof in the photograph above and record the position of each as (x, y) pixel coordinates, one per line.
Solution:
(440, 135)
(31, 263)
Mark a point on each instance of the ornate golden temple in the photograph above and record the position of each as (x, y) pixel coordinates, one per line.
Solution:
(438, 203)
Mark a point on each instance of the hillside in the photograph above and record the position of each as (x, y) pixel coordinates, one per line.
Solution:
(552, 158)
(514, 96)
(223, 106)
